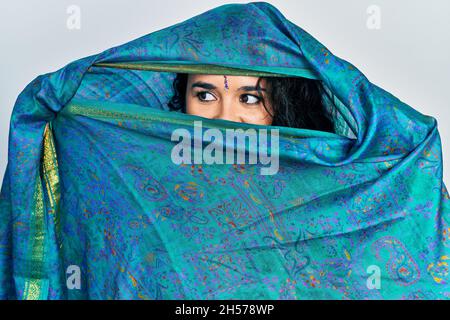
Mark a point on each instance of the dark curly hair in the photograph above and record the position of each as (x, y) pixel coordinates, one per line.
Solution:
(296, 102)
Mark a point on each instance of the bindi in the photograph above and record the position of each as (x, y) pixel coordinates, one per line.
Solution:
(226, 82)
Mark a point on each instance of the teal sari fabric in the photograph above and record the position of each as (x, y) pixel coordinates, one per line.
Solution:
(92, 207)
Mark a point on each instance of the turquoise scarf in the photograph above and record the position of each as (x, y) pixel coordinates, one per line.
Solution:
(92, 207)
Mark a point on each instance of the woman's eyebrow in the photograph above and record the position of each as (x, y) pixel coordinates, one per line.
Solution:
(204, 85)
(251, 88)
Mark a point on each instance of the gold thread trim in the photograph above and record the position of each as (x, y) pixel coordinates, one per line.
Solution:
(32, 289)
(48, 179)
(92, 110)
(33, 285)
(51, 177)
(207, 69)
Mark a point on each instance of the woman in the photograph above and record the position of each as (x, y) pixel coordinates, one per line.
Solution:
(287, 101)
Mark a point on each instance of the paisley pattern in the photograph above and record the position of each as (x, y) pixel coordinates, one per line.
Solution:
(400, 265)
(90, 182)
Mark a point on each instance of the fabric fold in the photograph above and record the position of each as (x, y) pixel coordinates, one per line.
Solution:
(138, 226)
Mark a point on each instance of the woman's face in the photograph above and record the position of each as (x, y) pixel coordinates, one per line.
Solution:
(232, 98)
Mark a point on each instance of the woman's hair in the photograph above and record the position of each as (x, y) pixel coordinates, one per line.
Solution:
(296, 102)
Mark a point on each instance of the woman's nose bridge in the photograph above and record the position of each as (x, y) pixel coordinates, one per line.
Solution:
(226, 110)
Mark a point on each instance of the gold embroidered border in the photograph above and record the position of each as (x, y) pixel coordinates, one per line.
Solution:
(51, 176)
(178, 67)
(36, 283)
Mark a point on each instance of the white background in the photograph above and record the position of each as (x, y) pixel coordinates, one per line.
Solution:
(408, 56)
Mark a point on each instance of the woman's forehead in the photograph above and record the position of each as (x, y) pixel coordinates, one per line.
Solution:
(216, 79)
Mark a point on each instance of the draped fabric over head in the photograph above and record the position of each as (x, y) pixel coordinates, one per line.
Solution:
(92, 207)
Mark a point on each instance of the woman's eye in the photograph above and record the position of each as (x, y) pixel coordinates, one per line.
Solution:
(203, 96)
(250, 99)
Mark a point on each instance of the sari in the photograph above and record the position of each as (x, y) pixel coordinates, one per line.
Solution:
(93, 207)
